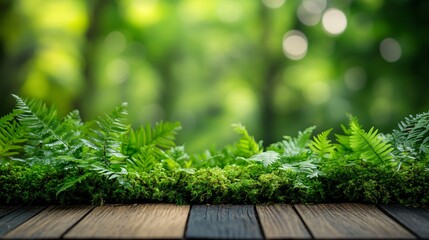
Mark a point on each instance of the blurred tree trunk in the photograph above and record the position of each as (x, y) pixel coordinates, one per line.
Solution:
(95, 12)
(268, 82)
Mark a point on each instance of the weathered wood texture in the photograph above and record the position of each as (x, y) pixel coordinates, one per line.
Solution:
(133, 221)
(4, 210)
(223, 222)
(350, 221)
(16, 218)
(415, 219)
(52, 222)
(281, 222)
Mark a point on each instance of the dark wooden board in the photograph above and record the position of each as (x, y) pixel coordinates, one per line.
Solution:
(223, 222)
(350, 221)
(4, 210)
(280, 221)
(133, 222)
(16, 218)
(52, 222)
(415, 219)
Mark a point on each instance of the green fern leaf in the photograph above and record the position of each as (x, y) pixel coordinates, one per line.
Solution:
(247, 146)
(322, 146)
(266, 158)
(106, 141)
(297, 148)
(11, 135)
(369, 144)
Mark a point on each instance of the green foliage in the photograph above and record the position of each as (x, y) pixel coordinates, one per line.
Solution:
(11, 136)
(322, 146)
(247, 146)
(106, 161)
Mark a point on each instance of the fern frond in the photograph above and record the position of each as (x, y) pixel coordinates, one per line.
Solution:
(322, 146)
(247, 146)
(369, 144)
(266, 158)
(107, 139)
(298, 146)
(145, 160)
(48, 137)
(162, 135)
(11, 135)
(414, 133)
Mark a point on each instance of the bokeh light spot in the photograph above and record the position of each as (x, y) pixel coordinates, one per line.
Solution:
(115, 42)
(273, 3)
(317, 93)
(314, 6)
(334, 21)
(390, 50)
(355, 78)
(118, 70)
(295, 45)
(306, 17)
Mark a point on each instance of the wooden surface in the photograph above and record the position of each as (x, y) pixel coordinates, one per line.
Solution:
(350, 221)
(223, 222)
(14, 219)
(281, 222)
(133, 221)
(167, 221)
(4, 210)
(52, 222)
(415, 219)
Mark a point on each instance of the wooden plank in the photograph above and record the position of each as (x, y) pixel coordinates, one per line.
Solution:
(280, 221)
(4, 210)
(53, 222)
(16, 218)
(133, 221)
(223, 222)
(413, 218)
(350, 221)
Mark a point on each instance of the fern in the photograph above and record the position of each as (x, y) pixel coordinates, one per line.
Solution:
(322, 146)
(295, 147)
(48, 137)
(247, 146)
(266, 158)
(106, 141)
(162, 135)
(369, 145)
(11, 135)
(413, 133)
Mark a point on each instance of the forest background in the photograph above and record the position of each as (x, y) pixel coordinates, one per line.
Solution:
(277, 66)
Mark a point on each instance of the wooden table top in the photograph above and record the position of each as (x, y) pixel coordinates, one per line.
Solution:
(168, 221)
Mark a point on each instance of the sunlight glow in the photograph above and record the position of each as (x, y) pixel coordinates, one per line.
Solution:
(115, 42)
(118, 70)
(334, 21)
(229, 11)
(317, 93)
(390, 50)
(273, 3)
(295, 45)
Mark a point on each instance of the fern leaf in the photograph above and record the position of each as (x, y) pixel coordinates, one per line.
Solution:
(11, 135)
(322, 146)
(413, 133)
(247, 146)
(266, 158)
(107, 139)
(297, 147)
(369, 144)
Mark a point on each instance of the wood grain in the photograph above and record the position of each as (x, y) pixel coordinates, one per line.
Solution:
(4, 210)
(52, 222)
(350, 221)
(133, 221)
(415, 219)
(223, 222)
(12, 220)
(280, 221)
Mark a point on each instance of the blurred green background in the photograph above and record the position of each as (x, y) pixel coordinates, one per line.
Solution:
(276, 66)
